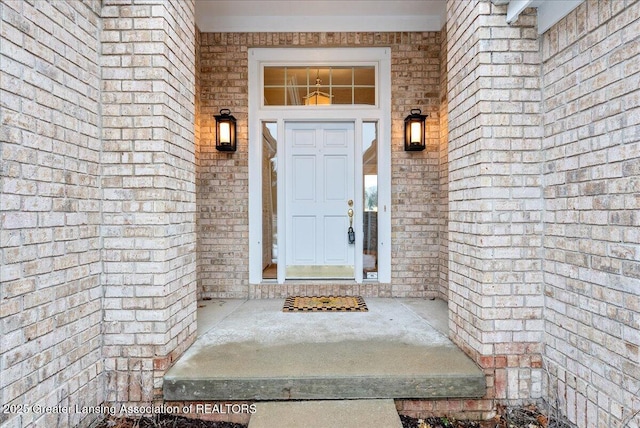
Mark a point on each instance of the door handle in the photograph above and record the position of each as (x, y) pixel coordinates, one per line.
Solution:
(351, 235)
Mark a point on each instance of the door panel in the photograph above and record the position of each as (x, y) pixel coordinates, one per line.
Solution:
(334, 233)
(304, 137)
(336, 173)
(336, 138)
(319, 183)
(303, 235)
(304, 184)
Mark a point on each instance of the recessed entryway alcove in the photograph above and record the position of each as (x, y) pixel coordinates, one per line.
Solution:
(399, 224)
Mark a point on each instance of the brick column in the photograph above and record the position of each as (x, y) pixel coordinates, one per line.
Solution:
(50, 212)
(149, 192)
(591, 77)
(495, 195)
(443, 174)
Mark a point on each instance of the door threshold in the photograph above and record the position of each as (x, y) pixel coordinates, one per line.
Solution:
(322, 282)
(315, 272)
(306, 282)
(319, 279)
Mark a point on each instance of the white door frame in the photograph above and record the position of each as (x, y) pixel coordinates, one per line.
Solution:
(380, 113)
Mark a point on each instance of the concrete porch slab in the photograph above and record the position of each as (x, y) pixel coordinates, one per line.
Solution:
(254, 351)
(326, 414)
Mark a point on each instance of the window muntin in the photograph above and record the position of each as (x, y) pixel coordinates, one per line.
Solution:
(303, 86)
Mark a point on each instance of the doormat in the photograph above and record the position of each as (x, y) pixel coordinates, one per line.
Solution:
(325, 304)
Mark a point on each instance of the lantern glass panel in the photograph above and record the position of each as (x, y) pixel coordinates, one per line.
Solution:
(225, 133)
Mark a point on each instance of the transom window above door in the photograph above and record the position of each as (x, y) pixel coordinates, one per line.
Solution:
(304, 86)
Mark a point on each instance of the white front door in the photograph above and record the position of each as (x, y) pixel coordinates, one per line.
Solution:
(319, 193)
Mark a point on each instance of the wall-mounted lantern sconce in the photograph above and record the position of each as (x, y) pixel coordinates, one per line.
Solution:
(414, 131)
(225, 131)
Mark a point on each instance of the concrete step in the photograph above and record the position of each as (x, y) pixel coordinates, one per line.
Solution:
(344, 370)
(326, 414)
(256, 352)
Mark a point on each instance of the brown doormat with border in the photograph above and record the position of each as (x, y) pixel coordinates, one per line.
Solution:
(325, 304)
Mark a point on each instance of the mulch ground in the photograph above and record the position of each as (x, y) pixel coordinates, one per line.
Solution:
(164, 421)
(526, 417)
(521, 417)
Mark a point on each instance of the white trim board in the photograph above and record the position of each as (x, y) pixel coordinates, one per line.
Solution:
(549, 11)
(228, 16)
(381, 113)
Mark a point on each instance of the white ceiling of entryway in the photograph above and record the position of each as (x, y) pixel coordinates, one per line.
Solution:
(319, 15)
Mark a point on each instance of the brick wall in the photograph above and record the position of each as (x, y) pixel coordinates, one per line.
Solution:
(222, 191)
(50, 214)
(443, 163)
(415, 82)
(591, 76)
(196, 133)
(495, 195)
(148, 177)
(223, 178)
